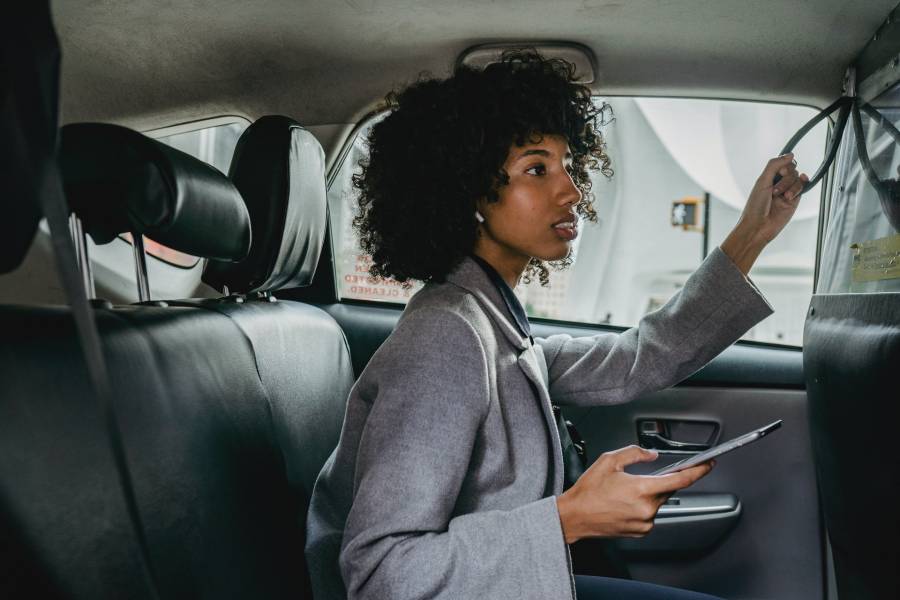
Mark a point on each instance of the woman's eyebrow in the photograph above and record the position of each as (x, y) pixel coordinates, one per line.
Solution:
(540, 152)
(532, 152)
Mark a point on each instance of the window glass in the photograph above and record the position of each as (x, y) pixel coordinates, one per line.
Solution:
(164, 253)
(214, 145)
(351, 263)
(861, 248)
(669, 156)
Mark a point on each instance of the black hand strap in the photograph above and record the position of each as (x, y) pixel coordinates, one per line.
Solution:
(844, 104)
(850, 106)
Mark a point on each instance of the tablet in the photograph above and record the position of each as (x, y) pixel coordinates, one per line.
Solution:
(715, 451)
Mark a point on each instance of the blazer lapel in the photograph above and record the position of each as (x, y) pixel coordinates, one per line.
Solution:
(532, 363)
(474, 280)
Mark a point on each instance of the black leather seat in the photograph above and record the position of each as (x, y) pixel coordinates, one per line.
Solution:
(209, 474)
(227, 413)
(302, 354)
(279, 169)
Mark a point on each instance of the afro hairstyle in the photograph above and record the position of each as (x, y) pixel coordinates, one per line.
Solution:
(442, 148)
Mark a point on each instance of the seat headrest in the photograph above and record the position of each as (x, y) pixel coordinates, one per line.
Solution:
(279, 169)
(29, 115)
(119, 180)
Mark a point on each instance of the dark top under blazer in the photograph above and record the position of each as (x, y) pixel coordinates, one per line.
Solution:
(513, 305)
(444, 480)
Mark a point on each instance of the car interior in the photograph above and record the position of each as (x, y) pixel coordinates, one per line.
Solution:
(184, 308)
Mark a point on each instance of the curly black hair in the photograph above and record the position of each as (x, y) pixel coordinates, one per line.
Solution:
(443, 146)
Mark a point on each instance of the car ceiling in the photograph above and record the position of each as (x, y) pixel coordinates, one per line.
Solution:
(147, 64)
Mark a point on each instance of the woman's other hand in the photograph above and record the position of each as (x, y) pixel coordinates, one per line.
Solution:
(768, 209)
(608, 502)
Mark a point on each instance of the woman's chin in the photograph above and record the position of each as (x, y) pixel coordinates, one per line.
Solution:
(559, 252)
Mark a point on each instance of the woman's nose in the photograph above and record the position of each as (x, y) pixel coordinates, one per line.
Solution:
(569, 194)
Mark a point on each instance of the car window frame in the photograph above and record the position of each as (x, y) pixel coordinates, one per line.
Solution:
(824, 201)
(196, 125)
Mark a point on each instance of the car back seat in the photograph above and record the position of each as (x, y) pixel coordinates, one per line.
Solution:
(221, 461)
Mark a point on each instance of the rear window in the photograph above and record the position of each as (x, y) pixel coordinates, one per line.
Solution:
(671, 157)
(214, 145)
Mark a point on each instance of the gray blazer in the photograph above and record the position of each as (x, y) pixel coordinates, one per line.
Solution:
(444, 480)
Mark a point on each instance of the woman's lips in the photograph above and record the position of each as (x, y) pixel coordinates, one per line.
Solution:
(567, 230)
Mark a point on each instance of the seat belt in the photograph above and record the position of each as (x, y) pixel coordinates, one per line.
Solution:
(55, 210)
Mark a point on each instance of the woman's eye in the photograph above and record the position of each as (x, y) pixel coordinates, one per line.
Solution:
(536, 170)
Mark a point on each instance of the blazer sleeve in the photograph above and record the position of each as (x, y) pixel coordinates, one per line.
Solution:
(429, 395)
(715, 307)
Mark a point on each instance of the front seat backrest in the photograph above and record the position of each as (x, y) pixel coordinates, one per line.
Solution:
(851, 351)
(304, 361)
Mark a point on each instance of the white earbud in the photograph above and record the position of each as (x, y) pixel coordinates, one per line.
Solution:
(479, 217)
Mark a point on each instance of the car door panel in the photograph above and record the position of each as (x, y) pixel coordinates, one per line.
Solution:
(773, 550)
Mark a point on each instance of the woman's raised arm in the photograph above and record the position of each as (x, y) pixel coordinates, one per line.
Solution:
(717, 305)
(714, 308)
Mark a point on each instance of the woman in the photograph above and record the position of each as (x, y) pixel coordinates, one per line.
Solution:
(447, 480)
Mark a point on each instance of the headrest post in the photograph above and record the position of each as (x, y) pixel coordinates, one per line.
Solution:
(140, 267)
(79, 238)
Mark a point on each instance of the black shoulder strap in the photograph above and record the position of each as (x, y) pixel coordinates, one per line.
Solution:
(56, 211)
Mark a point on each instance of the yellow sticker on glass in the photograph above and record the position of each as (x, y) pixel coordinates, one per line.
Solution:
(876, 259)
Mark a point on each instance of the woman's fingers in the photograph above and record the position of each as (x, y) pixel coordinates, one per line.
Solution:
(774, 166)
(797, 188)
(787, 175)
(621, 458)
(638, 529)
(791, 188)
(786, 184)
(608, 502)
(666, 484)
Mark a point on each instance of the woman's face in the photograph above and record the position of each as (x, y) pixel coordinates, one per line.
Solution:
(535, 213)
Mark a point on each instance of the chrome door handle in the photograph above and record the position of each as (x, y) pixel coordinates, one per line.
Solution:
(687, 523)
(692, 504)
(652, 436)
(654, 441)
